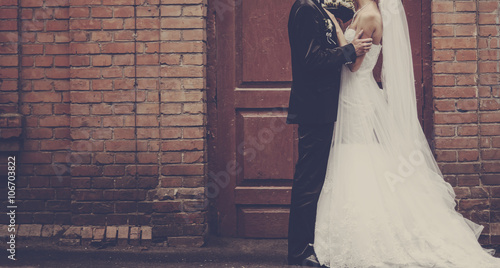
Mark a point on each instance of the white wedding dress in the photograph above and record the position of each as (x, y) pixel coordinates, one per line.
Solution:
(384, 202)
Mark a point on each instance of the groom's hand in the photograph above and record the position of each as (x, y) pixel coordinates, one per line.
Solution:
(362, 46)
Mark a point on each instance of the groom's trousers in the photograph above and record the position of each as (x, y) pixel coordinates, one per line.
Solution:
(310, 170)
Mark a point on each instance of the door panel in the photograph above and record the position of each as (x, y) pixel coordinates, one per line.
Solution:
(264, 43)
(265, 146)
(253, 147)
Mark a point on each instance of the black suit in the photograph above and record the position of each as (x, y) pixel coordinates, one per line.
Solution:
(316, 63)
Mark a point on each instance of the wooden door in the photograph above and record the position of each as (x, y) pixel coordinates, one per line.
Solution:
(252, 151)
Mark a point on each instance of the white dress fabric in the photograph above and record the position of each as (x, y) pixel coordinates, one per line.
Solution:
(384, 202)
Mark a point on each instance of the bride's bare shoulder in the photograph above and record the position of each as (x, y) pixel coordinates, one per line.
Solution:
(371, 17)
(371, 21)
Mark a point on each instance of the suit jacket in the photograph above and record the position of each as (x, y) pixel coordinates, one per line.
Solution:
(316, 64)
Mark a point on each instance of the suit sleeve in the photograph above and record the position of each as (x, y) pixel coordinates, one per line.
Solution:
(316, 56)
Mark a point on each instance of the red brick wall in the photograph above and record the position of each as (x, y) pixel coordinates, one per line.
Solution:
(466, 58)
(112, 98)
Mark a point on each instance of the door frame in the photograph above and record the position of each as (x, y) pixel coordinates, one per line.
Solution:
(211, 95)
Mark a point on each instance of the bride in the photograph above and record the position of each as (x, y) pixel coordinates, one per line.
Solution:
(385, 202)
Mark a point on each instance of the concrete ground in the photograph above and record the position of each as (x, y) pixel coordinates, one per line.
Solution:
(218, 253)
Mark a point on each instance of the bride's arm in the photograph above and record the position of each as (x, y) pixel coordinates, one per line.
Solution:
(340, 33)
(369, 25)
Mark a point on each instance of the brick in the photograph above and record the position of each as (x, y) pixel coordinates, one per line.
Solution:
(102, 12)
(148, 23)
(85, 73)
(466, 55)
(85, 97)
(123, 11)
(118, 2)
(9, 37)
(193, 59)
(184, 120)
(11, 73)
(85, 24)
(467, 130)
(148, 108)
(466, 105)
(455, 67)
(31, 3)
(182, 71)
(147, 120)
(464, 156)
(56, 3)
(79, 12)
(32, 49)
(84, 48)
(182, 145)
(180, 47)
(57, 25)
(465, 6)
(442, 7)
(44, 61)
(188, 169)
(120, 146)
(101, 60)
(41, 97)
(101, 109)
(125, 96)
(455, 118)
(148, 133)
(124, 133)
(103, 84)
(194, 11)
(490, 117)
(84, 2)
(8, 25)
(456, 143)
(456, 92)
(185, 23)
(487, 18)
(8, 13)
(459, 168)
(487, 105)
(61, 13)
(118, 48)
(57, 73)
(453, 18)
(61, 61)
(112, 72)
(114, 24)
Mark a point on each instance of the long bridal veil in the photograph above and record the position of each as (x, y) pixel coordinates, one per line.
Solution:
(385, 202)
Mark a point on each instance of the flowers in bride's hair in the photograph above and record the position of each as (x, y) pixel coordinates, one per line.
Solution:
(337, 3)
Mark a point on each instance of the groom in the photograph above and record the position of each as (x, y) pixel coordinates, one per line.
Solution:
(316, 63)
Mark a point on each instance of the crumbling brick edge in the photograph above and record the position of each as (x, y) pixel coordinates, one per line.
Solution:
(100, 236)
